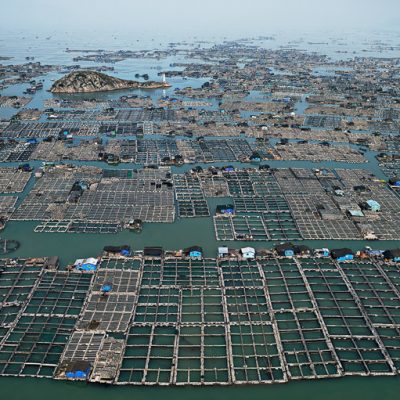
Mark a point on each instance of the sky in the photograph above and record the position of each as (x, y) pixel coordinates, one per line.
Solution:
(219, 17)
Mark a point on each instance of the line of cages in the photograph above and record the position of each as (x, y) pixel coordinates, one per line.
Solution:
(258, 227)
(201, 354)
(33, 347)
(59, 293)
(17, 280)
(377, 288)
(111, 311)
(12, 180)
(325, 319)
(214, 186)
(116, 213)
(174, 272)
(356, 344)
(314, 229)
(121, 263)
(192, 206)
(190, 196)
(69, 226)
(258, 204)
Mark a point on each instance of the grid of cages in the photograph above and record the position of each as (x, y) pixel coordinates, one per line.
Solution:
(391, 168)
(209, 322)
(149, 155)
(121, 263)
(154, 198)
(28, 211)
(281, 226)
(201, 305)
(83, 115)
(226, 150)
(317, 217)
(82, 346)
(119, 128)
(85, 150)
(356, 342)
(257, 227)
(120, 280)
(48, 199)
(53, 226)
(3, 332)
(190, 196)
(241, 273)
(149, 355)
(240, 227)
(305, 348)
(45, 129)
(116, 199)
(214, 150)
(110, 310)
(33, 347)
(393, 274)
(118, 213)
(313, 229)
(180, 272)
(178, 333)
(259, 204)
(13, 180)
(379, 298)
(323, 121)
(128, 149)
(107, 312)
(255, 355)
(8, 314)
(108, 360)
(59, 294)
(7, 205)
(286, 287)
(20, 152)
(202, 355)
(158, 305)
(265, 184)
(387, 227)
(247, 305)
(155, 151)
(146, 178)
(68, 226)
(192, 354)
(300, 180)
(318, 152)
(17, 279)
(144, 114)
(239, 183)
(385, 222)
(214, 186)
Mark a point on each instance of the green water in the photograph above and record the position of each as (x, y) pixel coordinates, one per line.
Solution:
(181, 234)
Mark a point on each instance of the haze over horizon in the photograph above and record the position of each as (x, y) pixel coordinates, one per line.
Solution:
(208, 17)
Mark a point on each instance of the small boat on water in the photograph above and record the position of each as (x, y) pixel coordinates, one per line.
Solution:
(135, 225)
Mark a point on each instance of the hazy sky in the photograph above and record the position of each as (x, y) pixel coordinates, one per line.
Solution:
(239, 17)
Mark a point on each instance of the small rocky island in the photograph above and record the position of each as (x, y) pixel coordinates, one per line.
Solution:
(86, 81)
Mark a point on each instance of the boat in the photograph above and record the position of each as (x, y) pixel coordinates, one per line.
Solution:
(135, 225)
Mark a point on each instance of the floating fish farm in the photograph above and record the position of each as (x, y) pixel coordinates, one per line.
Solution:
(176, 321)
